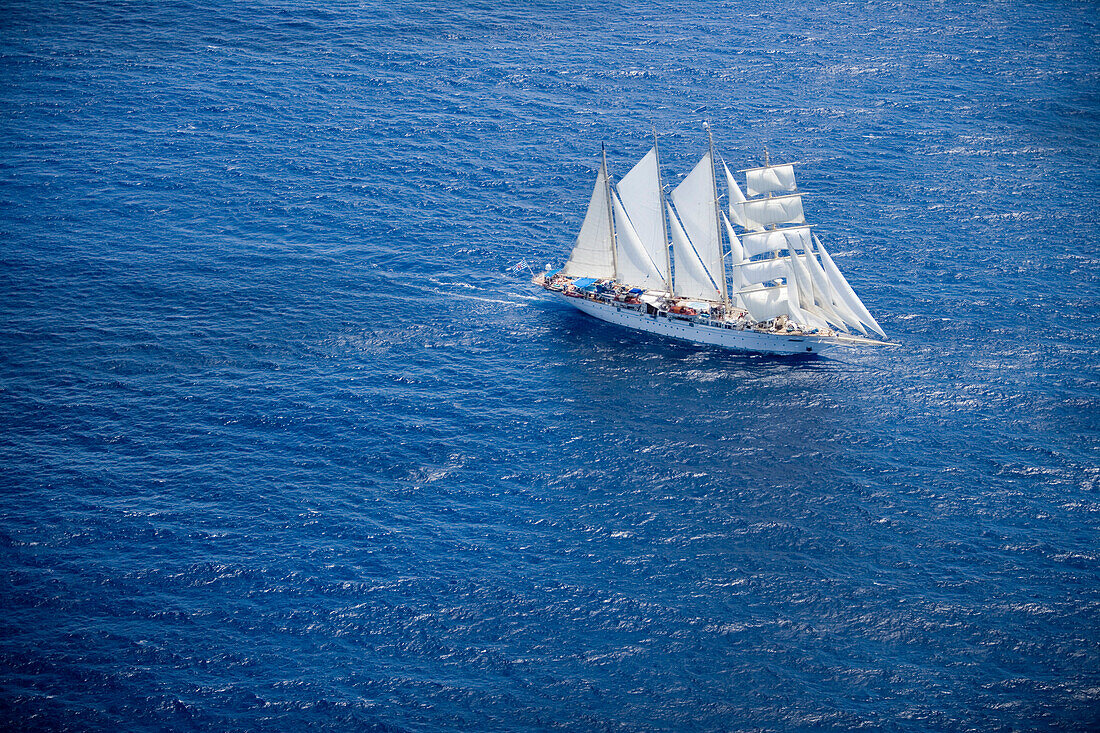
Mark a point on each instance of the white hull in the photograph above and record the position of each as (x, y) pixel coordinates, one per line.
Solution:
(702, 333)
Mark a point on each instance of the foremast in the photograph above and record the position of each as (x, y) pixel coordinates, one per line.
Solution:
(593, 252)
(812, 294)
(610, 212)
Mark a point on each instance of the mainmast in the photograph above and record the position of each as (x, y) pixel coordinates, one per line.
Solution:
(717, 218)
(664, 216)
(610, 211)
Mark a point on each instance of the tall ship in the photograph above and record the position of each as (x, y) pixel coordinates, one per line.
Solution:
(750, 276)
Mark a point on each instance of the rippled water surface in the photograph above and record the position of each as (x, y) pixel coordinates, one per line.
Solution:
(283, 445)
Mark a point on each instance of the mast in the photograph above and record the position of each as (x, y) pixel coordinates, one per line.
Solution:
(718, 219)
(775, 255)
(610, 211)
(664, 216)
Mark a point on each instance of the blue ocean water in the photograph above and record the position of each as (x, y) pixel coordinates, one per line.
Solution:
(285, 447)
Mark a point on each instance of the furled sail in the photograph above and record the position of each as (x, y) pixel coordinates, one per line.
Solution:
(635, 267)
(640, 193)
(694, 200)
(770, 179)
(593, 253)
(777, 210)
(690, 278)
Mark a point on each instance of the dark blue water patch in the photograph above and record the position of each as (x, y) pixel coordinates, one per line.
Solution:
(284, 447)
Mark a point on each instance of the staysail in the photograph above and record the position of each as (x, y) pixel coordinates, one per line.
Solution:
(635, 266)
(691, 278)
(737, 202)
(844, 291)
(694, 201)
(593, 252)
(736, 254)
(816, 293)
(642, 199)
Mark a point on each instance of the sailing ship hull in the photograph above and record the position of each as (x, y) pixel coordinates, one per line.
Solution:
(702, 333)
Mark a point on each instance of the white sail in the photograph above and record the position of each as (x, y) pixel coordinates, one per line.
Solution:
(770, 179)
(832, 305)
(777, 210)
(694, 199)
(799, 306)
(736, 196)
(737, 203)
(809, 293)
(737, 252)
(797, 289)
(766, 303)
(593, 253)
(773, 241)
(844, 290)
(635, 267)
(815, 303)
(762, 271)
(640, 193)
(690, 278)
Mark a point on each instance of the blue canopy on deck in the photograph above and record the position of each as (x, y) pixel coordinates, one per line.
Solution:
(583, 282)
